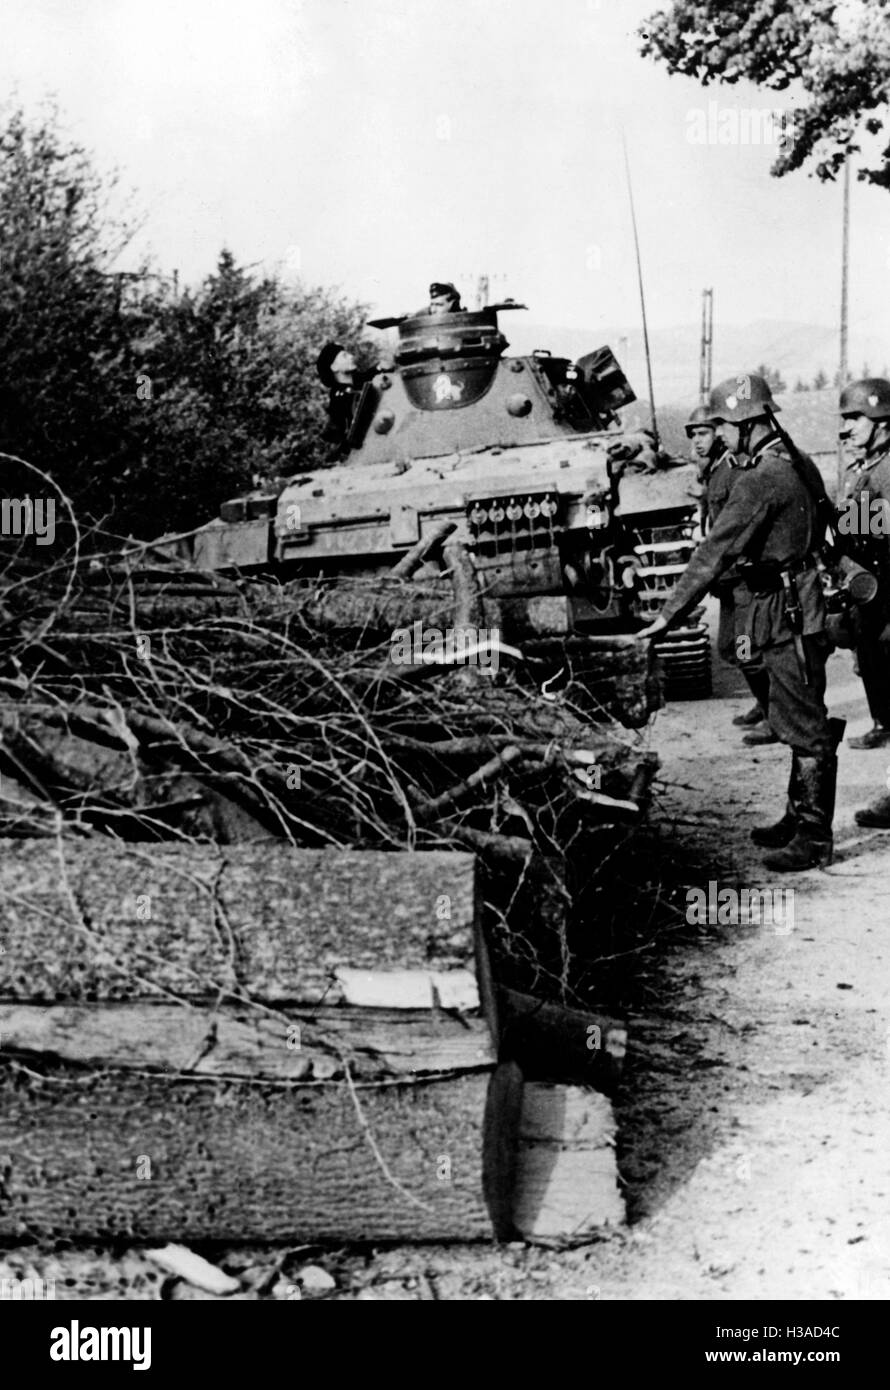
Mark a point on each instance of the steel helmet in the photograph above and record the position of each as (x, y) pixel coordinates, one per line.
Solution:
(743, 397)
(701, 415)
(869, 397)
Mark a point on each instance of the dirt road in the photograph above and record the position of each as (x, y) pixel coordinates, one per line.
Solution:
(754, 1115)
(755, 1112)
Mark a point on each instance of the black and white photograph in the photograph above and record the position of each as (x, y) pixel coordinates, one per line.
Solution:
(445, 664)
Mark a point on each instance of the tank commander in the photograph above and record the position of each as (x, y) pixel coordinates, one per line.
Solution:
(444, 298)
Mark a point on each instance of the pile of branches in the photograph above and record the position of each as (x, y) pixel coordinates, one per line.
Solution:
(145, 699)
(285, 701)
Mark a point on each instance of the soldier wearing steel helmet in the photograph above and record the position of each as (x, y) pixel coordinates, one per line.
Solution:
(717, 473)
(709, 453)
(865, 426)
(770, 528)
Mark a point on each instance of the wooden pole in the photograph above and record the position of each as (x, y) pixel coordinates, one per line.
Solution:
(845, 273)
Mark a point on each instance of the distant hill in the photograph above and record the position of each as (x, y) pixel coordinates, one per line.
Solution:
(796, 349)
(810, 417)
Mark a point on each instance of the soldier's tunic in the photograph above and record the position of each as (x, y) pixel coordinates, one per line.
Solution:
(872, 476)
(719, 481)
(769, 520)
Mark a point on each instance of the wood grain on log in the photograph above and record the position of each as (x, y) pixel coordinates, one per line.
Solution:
(122, 1155)
(298, 1045)
(261, 919)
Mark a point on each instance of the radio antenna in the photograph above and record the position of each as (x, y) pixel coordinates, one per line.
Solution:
(633, 219)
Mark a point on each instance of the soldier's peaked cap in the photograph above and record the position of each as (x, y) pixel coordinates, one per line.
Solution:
(440, 287)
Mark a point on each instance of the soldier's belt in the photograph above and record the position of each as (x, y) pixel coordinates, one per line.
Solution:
(765, 576)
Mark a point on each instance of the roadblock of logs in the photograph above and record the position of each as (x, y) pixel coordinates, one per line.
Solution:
(255, 1042)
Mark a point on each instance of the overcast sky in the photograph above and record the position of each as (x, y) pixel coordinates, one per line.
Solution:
(377, 144)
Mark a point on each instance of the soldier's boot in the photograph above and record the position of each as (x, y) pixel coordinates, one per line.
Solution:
(764, 734)
(875, 816)
(759, 684)
(752, 716)
(803, 835)
(876, 737)
(781, 832)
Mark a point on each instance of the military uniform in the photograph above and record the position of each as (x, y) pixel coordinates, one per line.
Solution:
(342, 403)
(766, 524)
(872, 476)
(717, 474)
(720, 479)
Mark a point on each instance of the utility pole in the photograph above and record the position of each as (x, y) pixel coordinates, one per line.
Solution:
(482, 292)
(845, 276)
(707, 346)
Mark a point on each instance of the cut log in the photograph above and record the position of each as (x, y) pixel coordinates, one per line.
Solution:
(427, 548)
(161, 1120)
(550, 1039)
(259, 920)
(119, 1155)
(566, 1180)
(299, 1045)
(468, 609)
(549, 1167)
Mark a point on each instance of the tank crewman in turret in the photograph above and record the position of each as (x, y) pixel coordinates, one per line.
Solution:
(865, 429)
(717, 475)
(444, 298)
(337, 370)
(769, 527)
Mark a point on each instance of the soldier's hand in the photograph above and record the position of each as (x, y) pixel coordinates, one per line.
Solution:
(651, 631)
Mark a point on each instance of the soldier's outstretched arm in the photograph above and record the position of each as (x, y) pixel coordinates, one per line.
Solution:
(745, 512)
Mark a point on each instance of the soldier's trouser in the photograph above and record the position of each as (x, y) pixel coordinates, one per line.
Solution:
(873, 659)
(727, 645)
(728, 651)
(797, 713)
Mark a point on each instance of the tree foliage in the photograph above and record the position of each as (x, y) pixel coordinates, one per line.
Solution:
(63, 338)
(836, 52)
(229, 390)
(146, 406)
(773, 377)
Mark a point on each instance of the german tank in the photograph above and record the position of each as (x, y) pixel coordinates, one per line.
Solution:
(573, 523)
